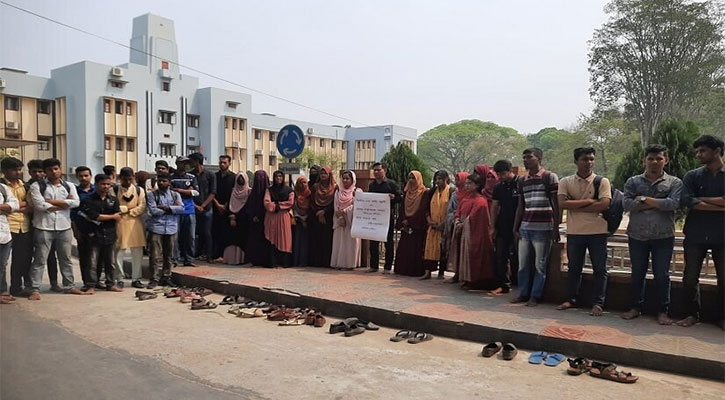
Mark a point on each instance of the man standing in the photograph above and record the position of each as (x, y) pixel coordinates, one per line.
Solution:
(84, 189)
(52, 200)
(19, 223)
(185, 185)
(224, 187)
(164, 205)
(101, 213)
(703, 193)
(586, 229)
(651, 199)
(8, 205)
(202, 205)
(130, 228)
(37, 173)
(503, 213)
(381, 184)
(536, 225)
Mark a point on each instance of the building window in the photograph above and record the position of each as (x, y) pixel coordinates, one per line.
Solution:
(119, 144)
(117, 84)
(107, 143)
(129, 109)
(333, 144)
(192, 149)
(119, 107)
(166, 86)
(241, 124)
(257, 134)
(373, 142)
(167, 117)
(130, 145)
(107, 105)
(12, 103)
(164, 65)
(226, 123)
(322, 142)
(272, 160)
(167, 150)
(234, 124)
(344, 145)
(258, 160)
(43, 107)
(44, 144)
(272, 136)
(192, 121)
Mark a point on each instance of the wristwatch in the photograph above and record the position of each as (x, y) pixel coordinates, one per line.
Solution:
(642, 199)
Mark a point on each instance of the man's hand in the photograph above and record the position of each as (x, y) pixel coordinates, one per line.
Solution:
(198, 208)
(392, 196)
(61, 204)
(557, 236)
(517, 236)
(117, 217)
(54, 208)
(5, 208)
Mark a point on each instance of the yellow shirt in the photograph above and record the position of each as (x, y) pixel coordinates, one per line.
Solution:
(19, 222)
(575, 187)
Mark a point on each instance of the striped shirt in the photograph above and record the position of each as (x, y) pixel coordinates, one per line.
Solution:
(536, 190)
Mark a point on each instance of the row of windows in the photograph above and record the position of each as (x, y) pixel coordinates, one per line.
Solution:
(333, 143)
(120, 107)
(236, 123)
(13, 104)
(122, 144)
(365, 144)
(258, 160)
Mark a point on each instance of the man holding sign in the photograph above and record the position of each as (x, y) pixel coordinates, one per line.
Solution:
(382, 184)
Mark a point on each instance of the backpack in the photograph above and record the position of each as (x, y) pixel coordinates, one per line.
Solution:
(43, 185)
(116, 190)
(4, 192)
(613, 214)
(546, 177)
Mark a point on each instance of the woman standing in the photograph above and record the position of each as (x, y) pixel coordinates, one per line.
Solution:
(258, 247)
(320, 221)
(413, 227)
(345, 248)
(452, 247)
(439, 196)
(237, 221)
(277, 223)
(299, 231)
(476, 259)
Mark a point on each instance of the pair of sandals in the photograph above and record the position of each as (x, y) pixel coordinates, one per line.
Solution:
(246, 312)
(549, 359)
(412, 337)
(144, 295)
(352, 327)
(228, 300)
(203, 304)
(598, 369)
(306, 317)
(508, 350)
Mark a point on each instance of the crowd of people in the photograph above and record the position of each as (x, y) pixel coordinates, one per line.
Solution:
(492, 227)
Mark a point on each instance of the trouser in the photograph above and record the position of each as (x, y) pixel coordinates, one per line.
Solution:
(507, 261)
(84, 256)
(136, 259)
(44, 241)
(22, 245)
(204, 246)
(534, 249)
(119, 273)
(52, 266)
(639, 254)
(217, 229)
(375, 250)
(4, 257)
(187, 230)
(101, 255)
(695, 254)
(160, 255)
(576, 247)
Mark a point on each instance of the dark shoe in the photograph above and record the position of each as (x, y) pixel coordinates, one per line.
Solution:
(509, 351)
(532, 302)
(152, 284)
(120, 284)
(114, 288)
(354, 330)
(100, 285)
(164, 282)
(372, 270)
(137, 284)
(491, 349)
(56, 288)
(519, 300)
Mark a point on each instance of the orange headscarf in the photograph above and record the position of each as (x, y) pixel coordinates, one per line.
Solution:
(302, 196)
(414, 194)
(324, 194)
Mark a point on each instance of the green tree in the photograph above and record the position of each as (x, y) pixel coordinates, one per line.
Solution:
(309, 158)
(611, 134)
(463, 145)
(558, 146)
(659, 56)
(400, 160)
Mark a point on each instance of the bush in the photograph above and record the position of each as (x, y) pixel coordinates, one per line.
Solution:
(401, 160)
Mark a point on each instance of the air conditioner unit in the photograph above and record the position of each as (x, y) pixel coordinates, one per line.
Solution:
(310, 131)
(2, 83)
(11, 125)
(258, 152)
(235, 144)
(117, 71)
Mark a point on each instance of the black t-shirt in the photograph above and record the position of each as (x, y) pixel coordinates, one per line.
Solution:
(703, 226)
(91, 207)
(387, 186)
(506, 193)
(224, 186)
(207, 185)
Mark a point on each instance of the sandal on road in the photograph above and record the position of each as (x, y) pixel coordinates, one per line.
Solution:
(552, 360)
(227, 300)
(610, 372)
(203, 304)
(402, 335)
(250, 313)
(420, 337)
(147, 296)
(491, 349)
(578, 366)
(537, 357)
(509, 351)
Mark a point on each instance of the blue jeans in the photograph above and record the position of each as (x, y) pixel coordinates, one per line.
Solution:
(534, 249)
(639, 254)
(576, 247)
(203, 231)
(187, 230)
(4, 257)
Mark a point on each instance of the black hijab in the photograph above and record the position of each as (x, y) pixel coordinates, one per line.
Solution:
(279, 192)
(314, 175)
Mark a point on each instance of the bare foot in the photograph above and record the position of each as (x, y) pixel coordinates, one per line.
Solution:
(496, 292)
(219, 260)
(631, 314)
(425, 276)
(115, 288)
(663, 319)
(597, 311)
(5, 300)
(75, 290)
(689, 321)
(7, 297)
(90, 291)
(34, 296)
(565, 306)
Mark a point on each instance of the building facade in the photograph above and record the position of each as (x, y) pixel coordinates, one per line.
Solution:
(134, 114)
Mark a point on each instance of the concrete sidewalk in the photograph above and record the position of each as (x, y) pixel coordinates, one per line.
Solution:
(444, 309)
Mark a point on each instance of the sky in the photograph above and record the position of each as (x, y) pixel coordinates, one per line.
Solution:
(518, 63)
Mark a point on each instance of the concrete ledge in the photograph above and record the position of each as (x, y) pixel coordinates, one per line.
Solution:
(671, 363)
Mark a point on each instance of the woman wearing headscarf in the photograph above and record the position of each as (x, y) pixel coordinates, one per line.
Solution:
(413, 227)
(345, 248)
(320, 220)
(299, 231)
(314, 175)
(236, 226)
(434, 254)
(490, 179)
(277, 223)
(476, 256)
(451, 242)
(258, 247)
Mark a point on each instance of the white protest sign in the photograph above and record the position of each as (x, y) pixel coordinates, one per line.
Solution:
(371, 216)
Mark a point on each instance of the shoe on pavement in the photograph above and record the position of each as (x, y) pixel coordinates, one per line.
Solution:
(387, 271)
(100, 285)
(519, 300)
(56, 288)
(137, 284)
(372, 270)
(152, 284)
(114, 288)
(532, 302)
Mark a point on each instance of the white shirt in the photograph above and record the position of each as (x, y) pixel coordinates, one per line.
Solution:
(5, 235)
(59, 220)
